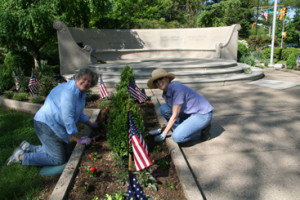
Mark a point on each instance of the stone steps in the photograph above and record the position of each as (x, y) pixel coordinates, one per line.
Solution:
(191, 72)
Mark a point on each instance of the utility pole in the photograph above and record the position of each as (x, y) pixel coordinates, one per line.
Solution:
(273, 32)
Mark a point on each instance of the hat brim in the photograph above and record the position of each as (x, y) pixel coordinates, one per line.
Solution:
(150, 83)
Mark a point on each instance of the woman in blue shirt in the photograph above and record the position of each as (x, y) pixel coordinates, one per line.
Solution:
(188, 112)
(56, 121)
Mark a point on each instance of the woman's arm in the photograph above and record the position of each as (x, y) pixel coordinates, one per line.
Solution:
(175, 113)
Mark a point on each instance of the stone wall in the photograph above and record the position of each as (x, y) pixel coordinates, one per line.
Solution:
(84, 47)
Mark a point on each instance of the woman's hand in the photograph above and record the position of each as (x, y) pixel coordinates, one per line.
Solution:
(160, 138)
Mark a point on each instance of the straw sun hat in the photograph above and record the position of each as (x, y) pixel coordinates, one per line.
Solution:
(157, 74)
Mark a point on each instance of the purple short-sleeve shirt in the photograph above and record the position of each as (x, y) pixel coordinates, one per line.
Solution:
(191, 101)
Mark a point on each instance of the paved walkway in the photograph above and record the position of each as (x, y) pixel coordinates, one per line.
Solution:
(254, 150)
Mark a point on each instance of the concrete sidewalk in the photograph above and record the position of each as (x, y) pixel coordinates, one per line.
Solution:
(254, 149)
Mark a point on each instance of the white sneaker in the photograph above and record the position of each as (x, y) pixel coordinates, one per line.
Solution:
(25, 146)
(14, 158)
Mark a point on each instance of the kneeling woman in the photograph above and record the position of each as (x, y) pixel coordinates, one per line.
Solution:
(188, 112)
(56, 121)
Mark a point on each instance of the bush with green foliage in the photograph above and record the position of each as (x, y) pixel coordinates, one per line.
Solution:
(6, 79)
(47, 83)
(289, 51)
(117, 135)
(36, 99)
(258, 42)
(19, 60)
(291, 61)
(242, 50)
(22, 96)
(276, 54)
(9, 94)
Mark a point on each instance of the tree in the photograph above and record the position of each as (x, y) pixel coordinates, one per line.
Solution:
(25, 24)
(227, 13)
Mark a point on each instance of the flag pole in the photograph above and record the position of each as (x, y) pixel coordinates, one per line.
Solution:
(130, 156)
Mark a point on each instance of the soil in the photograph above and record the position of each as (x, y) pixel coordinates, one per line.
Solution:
(106, 182)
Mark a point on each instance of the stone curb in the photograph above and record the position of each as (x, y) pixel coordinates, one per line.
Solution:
(187, 180)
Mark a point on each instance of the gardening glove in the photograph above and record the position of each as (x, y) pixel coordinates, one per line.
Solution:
(85, 141)
(155, 131)
(160, 138)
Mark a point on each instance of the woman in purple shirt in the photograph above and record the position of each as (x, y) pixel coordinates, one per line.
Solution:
(55, 122)
(188, 112)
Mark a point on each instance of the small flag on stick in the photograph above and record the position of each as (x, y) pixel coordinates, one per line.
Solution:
(134, 191)
(139, 146)
(33, 85)
(103, 91)
(16, 80)
(135, 92)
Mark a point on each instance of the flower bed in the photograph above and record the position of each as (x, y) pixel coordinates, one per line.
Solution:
(109, 180)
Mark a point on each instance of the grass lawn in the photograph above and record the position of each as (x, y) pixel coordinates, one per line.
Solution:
(17, 181)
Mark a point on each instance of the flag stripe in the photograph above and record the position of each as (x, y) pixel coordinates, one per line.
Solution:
(103, 91)
(135, 92)
(33, 84)
(139, 146)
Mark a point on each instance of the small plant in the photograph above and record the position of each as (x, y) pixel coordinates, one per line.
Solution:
(93, 156)
(163, 164)
(119, 195)
(104, 104)
(86, 187)
(20, 96)
(146, 179)
(92, 171)
(170, 186)
(9, 94)
(36, 99)
(157, 148)
(247, 70)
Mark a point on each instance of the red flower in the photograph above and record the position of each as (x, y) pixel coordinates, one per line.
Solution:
(92, 169)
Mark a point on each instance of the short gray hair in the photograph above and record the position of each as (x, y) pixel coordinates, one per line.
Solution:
(84, 71)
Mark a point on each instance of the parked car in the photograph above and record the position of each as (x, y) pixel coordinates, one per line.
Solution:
(295, 45)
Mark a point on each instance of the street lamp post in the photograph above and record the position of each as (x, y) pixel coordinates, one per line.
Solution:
(273, 32)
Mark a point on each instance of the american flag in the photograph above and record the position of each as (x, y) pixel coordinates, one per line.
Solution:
(33, 85)
(16, 80)
(134, 191)
(139, 146)
(135, 92)
(103, 90)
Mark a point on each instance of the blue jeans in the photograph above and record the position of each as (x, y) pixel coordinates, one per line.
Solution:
(53, 150)
(187, 127)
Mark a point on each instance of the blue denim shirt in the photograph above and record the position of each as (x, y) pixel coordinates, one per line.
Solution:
(63, 108)
(191, 101)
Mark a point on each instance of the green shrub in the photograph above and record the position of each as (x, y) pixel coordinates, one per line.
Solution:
(258, 42)
(266, 53)
(242, 50)
(117, 135)
(19, 60)
(287, 52)
(9, 94)
(6, 79)
(47, 83)
(248, 59)
(36, 99)
(291, 61)
(103, 104)
(20, 96)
